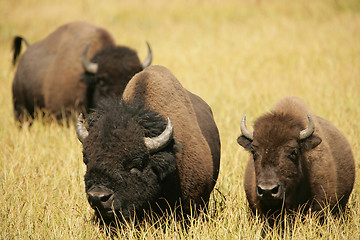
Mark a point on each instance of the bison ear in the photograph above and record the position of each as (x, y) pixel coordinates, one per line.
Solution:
(244, 142)
(311, 142)
(163, 165)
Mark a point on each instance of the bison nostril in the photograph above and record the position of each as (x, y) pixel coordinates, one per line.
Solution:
(266, 191)
(275, 190)
(105, 198)
(100, 199)
(260, 191)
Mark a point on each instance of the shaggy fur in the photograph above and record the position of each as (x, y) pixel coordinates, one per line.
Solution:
(115, 146)
(317, 171)
(194, 129)
(48, 75)
(117, 65)
(185, 171)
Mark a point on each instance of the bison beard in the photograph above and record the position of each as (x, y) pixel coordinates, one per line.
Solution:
(122, 176)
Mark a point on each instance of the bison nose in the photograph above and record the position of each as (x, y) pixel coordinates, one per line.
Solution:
(100, 198)
(268, 191)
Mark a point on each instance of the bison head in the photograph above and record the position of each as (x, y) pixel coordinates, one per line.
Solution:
(129, 152)
(277, 147)
(109, 71)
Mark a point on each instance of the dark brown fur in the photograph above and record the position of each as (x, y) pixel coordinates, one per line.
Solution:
(185, 171)
(318, 171)
(191, 117)
(49, 72)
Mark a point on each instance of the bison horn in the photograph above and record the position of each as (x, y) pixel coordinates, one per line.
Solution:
(308, 131)
(155, 144)
(88, 66)
(148, 59)
(81, 130)
(247, 133)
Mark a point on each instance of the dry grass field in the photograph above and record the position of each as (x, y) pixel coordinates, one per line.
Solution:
(241, 56)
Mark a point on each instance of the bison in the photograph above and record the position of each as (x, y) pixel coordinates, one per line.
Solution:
(298, 160)
(155, 148)
(56, 75)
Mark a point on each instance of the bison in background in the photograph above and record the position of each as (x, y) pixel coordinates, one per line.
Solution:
(297, 160)
(155, 148)
(55, 74)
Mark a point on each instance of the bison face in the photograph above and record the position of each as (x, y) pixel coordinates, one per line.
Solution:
(109, 71)
(277, 146)
(124, 175)
(277, 171)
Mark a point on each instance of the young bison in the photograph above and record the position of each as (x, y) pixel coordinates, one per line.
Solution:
(297, 159)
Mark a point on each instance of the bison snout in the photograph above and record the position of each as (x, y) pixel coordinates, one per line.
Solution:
(269, 191)
(100, 198)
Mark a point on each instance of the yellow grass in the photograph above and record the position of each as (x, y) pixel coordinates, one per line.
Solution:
(241, 56)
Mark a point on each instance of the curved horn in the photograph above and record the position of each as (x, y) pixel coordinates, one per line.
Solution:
(148, 59)
(155, 144)
(88, 65)
(81, 130)
(308, 131)
(247, 133)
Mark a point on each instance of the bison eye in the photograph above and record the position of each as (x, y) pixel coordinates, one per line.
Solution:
(293, 155)
(135, 171)
(101, 81)
(85, 160)
(254, 154)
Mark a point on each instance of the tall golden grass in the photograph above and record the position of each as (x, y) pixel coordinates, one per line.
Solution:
(241, 56)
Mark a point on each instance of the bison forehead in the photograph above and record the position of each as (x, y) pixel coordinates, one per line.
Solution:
(117, 130)
(117, 59)
(273, 130)
(112, 141)
(111, 129)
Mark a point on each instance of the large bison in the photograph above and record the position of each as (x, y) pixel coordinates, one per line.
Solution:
(297, 160)
(155, 148)
(55, 74)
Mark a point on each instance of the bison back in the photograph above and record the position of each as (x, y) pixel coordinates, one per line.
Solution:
(209, 130)
(343, 159)
(159, 89)
(49, 71)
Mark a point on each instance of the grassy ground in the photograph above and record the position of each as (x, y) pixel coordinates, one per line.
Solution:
(240, 56)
